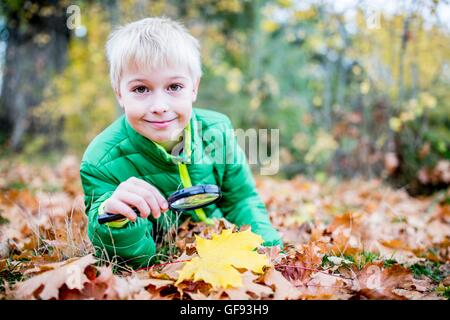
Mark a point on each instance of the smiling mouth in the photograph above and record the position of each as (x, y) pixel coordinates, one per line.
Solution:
(160, 122)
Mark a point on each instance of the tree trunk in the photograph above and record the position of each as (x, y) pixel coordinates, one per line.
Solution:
(36, 50)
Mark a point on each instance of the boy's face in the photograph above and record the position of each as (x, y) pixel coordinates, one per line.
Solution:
(158, 102)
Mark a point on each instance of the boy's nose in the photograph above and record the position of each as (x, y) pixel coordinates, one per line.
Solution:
(158, 104)
(160, 108)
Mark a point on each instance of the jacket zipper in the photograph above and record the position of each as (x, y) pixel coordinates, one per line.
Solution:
(183, 171)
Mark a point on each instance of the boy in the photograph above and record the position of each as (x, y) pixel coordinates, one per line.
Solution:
(157, 147)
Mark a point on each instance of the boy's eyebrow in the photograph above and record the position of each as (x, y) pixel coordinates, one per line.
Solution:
(171, 78)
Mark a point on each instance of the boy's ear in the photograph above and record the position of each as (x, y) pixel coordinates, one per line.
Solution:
(195, 90)
(118, 97)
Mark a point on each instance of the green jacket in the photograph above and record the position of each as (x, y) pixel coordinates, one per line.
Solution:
(119, 152)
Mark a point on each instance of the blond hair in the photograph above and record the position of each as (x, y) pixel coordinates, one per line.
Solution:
(151, 43)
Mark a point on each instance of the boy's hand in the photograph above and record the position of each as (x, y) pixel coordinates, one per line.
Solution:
(137, 193)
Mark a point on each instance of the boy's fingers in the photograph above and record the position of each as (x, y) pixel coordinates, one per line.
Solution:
(149, 197)
(159, 197)
(135, 200)
(142, 183)
(118, 207)
(161, 201)
(146, 195)
(154, 205)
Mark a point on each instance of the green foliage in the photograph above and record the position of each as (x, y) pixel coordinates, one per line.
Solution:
(389, 263)
(366, 257)
(325, 261)
(360, 259)
(429, 269)
(3, 220)
(9, 275)
(444, 291)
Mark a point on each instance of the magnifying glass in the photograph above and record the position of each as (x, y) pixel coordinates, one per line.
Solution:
(182, 200)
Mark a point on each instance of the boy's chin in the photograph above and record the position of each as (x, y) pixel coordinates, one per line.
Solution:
(162, 137)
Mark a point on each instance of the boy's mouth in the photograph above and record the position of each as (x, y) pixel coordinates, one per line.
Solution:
(161, 124)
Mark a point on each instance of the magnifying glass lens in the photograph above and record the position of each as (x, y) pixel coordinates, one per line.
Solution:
(195, 201)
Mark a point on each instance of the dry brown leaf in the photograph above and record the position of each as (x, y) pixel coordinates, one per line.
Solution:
(70, 273)
(326, 286)
(198, 295)
(170, 269)
(349, 217)
(416, 295)
(376, 282)
(283, 289)
(249, 289)
(128, 288)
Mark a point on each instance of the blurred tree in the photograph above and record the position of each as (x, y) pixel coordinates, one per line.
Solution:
(37, 39)
(348, 98)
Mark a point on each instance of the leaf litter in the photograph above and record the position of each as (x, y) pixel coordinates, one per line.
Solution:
(357, 239)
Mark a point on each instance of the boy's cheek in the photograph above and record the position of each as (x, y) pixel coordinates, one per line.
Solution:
(134, 110)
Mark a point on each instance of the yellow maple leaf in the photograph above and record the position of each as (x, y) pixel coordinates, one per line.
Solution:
(220, 256)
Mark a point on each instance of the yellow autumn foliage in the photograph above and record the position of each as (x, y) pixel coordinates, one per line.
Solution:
(220, 256)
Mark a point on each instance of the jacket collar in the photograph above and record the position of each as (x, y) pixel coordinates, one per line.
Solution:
(156, 152)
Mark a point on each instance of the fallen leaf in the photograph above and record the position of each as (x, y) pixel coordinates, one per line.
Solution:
(283, 289)
(248, 289)
(70, 273)
(220, 256)
(376, 282)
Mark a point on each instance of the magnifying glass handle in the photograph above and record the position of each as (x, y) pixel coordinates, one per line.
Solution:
(110, 217)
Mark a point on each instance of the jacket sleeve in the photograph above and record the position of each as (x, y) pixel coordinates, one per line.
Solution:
(132, 243)
(241, 203)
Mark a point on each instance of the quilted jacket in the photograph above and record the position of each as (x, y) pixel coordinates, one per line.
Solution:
(119, 152)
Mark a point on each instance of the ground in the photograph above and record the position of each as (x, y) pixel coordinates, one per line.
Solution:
(356, 239)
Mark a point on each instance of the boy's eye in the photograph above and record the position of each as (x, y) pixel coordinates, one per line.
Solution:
(175, 87)
(140, 89)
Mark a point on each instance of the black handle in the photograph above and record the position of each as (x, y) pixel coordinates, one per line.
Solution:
(110, 217)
